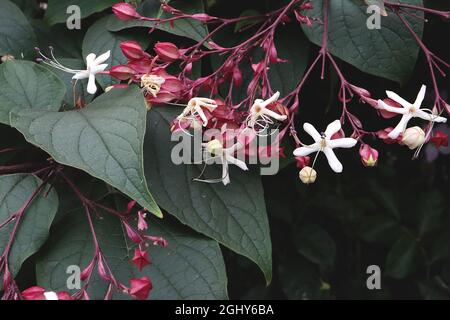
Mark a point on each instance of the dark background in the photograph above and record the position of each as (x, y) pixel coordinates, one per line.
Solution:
(396, 215)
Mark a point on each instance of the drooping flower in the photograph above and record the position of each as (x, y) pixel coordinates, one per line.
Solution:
(151, 83)
(140, 259)
(325, 144)
(140, 288)
(226, 156)
(94, 66)
(195, 107)
(408, 111)
(261, 116)
(413, 137)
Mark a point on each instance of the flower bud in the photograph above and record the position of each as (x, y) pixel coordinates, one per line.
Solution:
(302, 161)
(413, 137)
(125, 11)
(121, 72)
(369, 155)
(386, 114)
(132, 50)
(167, 51)
(439, 139)
(214, 147)
(307, 175)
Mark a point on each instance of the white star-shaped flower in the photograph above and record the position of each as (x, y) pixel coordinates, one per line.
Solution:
(94, 65)
(226, 156)
(408, 111)
(324, 143)
(195, 107)
(260, 116)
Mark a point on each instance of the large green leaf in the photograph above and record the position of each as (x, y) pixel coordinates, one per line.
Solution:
(403, 257)
(234, 215)
(390, 52)
(316, 245)
(104, 139)
(284, 76)
(188, 28)
(191, 267)
(16, 35)
(57, 9)
(99, 40)
(34, 227)
(27, 85)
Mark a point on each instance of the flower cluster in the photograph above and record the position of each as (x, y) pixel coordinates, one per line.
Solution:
(165, 76)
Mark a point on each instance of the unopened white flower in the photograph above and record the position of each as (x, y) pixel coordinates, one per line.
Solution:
(408, 111)
(195, 107)
(151, 83)
(324, 143)
(226, 156)
(260, 116)
(94, 65)
(413, 137)
(307, 175)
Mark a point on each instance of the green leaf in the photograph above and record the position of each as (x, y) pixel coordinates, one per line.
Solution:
(99, 40)
(247, 23)
(402, 259)
(104, 139)
(191, 267)
(57, 9)
(390, 52)
(15, 190)
(379, 4)
(378, 228)
(234, 215)
(316, 245)
(284, 76)
(16, 35)
(27, 85)
(188, 28)
(56, 36)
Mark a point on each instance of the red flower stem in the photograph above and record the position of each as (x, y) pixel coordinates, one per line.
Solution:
(395, 6)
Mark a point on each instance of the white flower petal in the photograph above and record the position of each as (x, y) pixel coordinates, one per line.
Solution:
(332, 128)
(342, 143)
(420, 96)
(398, 99)
(272, 99)
(50, 295)
(90, 58)
(309, 129)
(241, 164)
(81, 75)
(304, 151)
(389, 108)
(333, 161)
(429, 117)
(225, 173)
(202, 115)
(274, 115)
(102, 58)
(401, 126)
(99, 68)
(91, 87)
